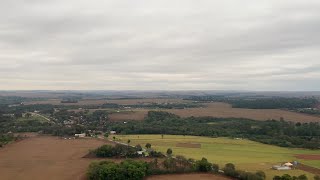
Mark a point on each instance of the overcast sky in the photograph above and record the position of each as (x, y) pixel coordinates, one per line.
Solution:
(160, 45)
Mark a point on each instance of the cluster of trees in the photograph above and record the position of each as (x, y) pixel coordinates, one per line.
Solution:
(312, 111)
(6, 138)
(116, 151)
(275, 103)
(231, 171)
(127, 169)
(137, 170)
(288, 177)
(153, 105)
(280, 133)
(260, 103)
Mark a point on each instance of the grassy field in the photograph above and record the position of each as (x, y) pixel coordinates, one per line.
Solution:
(245, 154)
(33, 117)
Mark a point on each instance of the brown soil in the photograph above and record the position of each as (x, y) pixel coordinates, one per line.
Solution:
(309, 169)
(187, 177)
(308, 156)
(46, 157)
(134, 115)
(224, 110)
(189, 145)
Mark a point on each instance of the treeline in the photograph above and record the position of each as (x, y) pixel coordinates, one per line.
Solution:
(288, 177)
(153, 105)
(116, 151)
(6, 138)
(275, 103)
(260, 103)
(280, 133)
(137, 170)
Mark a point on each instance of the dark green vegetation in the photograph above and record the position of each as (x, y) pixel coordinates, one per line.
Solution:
(63, 122)
(137, 170)
(281, 133)
(288, 177)
(127, 169)
(116, 151)
(154, 105)
(6, 138)
(275, 103)
(260, 103)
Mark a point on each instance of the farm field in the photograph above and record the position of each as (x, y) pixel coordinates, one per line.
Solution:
(46, 157)
(103, 101)
(222, 110)
(245, 154)
(214, 109)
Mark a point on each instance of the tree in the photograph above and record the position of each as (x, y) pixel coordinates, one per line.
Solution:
(129, 141)
(148, 145)
(230, 170)
(106, 135)
(114, 138)
(203, 165)
(261, 174)
(302, 177)
(169, 152)
(27, 115)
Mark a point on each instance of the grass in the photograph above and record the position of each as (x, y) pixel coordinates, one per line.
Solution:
(245, 154)
(33, 117)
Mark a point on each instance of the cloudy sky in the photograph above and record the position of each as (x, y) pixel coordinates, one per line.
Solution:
(160, 45)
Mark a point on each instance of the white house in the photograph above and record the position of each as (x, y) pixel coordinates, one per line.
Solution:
(80, 135)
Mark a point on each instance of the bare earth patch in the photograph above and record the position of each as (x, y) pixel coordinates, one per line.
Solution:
(189, 145)
(308, 156)
(46, 157)
(187, 177)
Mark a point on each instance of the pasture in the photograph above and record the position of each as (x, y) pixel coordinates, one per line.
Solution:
(245, 154)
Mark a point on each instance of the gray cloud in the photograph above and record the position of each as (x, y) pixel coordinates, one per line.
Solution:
(169, 45)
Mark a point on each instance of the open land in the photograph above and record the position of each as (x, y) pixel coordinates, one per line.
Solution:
(46, 157)
(215, 109)
(221, 110)
(245, 154)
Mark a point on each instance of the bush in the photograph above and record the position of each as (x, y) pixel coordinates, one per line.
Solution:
(127, 169)
(203, 165)
(230, 170)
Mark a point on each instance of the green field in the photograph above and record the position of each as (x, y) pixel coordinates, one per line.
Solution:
(35, 117)
(245, 154)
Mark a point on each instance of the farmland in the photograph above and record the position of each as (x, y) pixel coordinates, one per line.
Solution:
(245, 154)
(45, 156)
(213, 109)
(221, 110)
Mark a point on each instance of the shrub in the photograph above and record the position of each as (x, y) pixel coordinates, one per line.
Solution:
(203, 165)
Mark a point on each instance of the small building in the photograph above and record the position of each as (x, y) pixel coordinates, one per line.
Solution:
(80, 135)
(280, 168)
(113, 132)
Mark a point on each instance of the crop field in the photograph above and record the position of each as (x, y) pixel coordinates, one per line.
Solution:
(224, 110)
(45, 157)
(245, 154)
